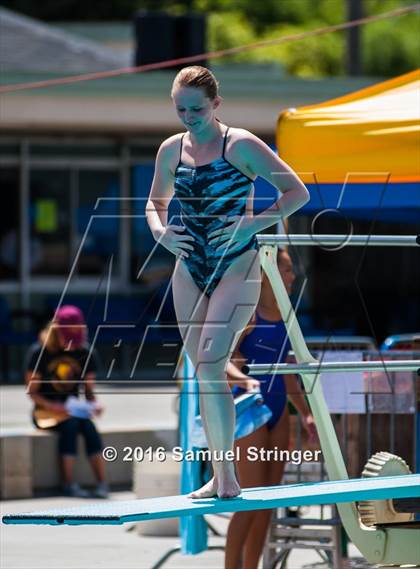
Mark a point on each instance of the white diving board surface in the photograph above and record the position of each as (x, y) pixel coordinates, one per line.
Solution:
(331, 492)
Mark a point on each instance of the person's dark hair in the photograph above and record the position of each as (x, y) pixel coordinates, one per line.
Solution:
(199, 77)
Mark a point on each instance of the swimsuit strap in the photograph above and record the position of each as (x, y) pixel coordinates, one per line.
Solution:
(224, 142)
(180, 147)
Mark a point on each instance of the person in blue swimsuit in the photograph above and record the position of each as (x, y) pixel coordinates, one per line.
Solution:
(264, 340)
(216, 283)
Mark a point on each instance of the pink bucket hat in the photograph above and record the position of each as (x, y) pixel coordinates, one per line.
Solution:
(71, 324)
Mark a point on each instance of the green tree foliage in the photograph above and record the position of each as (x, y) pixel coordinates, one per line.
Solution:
(227, 30)
(263, 15)
(309, 57)
(389, 47)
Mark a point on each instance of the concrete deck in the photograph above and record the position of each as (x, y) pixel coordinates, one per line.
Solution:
(132, 418)
(134, 408)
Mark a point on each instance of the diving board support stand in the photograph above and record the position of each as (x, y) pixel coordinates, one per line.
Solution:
(375, 544)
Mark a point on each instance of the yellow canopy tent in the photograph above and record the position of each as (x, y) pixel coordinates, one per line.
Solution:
(359, 152)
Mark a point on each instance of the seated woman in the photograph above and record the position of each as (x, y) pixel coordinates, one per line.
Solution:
(263, 341)
(58, 366)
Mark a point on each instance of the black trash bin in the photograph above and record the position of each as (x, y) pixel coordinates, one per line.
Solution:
(162, 37)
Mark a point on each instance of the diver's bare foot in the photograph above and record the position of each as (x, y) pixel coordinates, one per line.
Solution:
(207, 491)
(228, 486)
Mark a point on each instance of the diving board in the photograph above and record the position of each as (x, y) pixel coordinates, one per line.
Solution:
(331, 492)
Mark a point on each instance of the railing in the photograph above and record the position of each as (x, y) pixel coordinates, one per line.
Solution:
(341, 240)
(393, 545)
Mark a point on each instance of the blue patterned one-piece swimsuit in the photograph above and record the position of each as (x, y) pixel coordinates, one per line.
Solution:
(207, 195)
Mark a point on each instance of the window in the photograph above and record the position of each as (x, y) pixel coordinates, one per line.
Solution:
(98, 207)
(49, 221)
(9, 224)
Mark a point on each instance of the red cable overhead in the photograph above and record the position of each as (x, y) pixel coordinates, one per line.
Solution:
(209, 55)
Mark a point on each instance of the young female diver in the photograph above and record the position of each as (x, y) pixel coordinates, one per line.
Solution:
(216, 281)
(263, 341)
